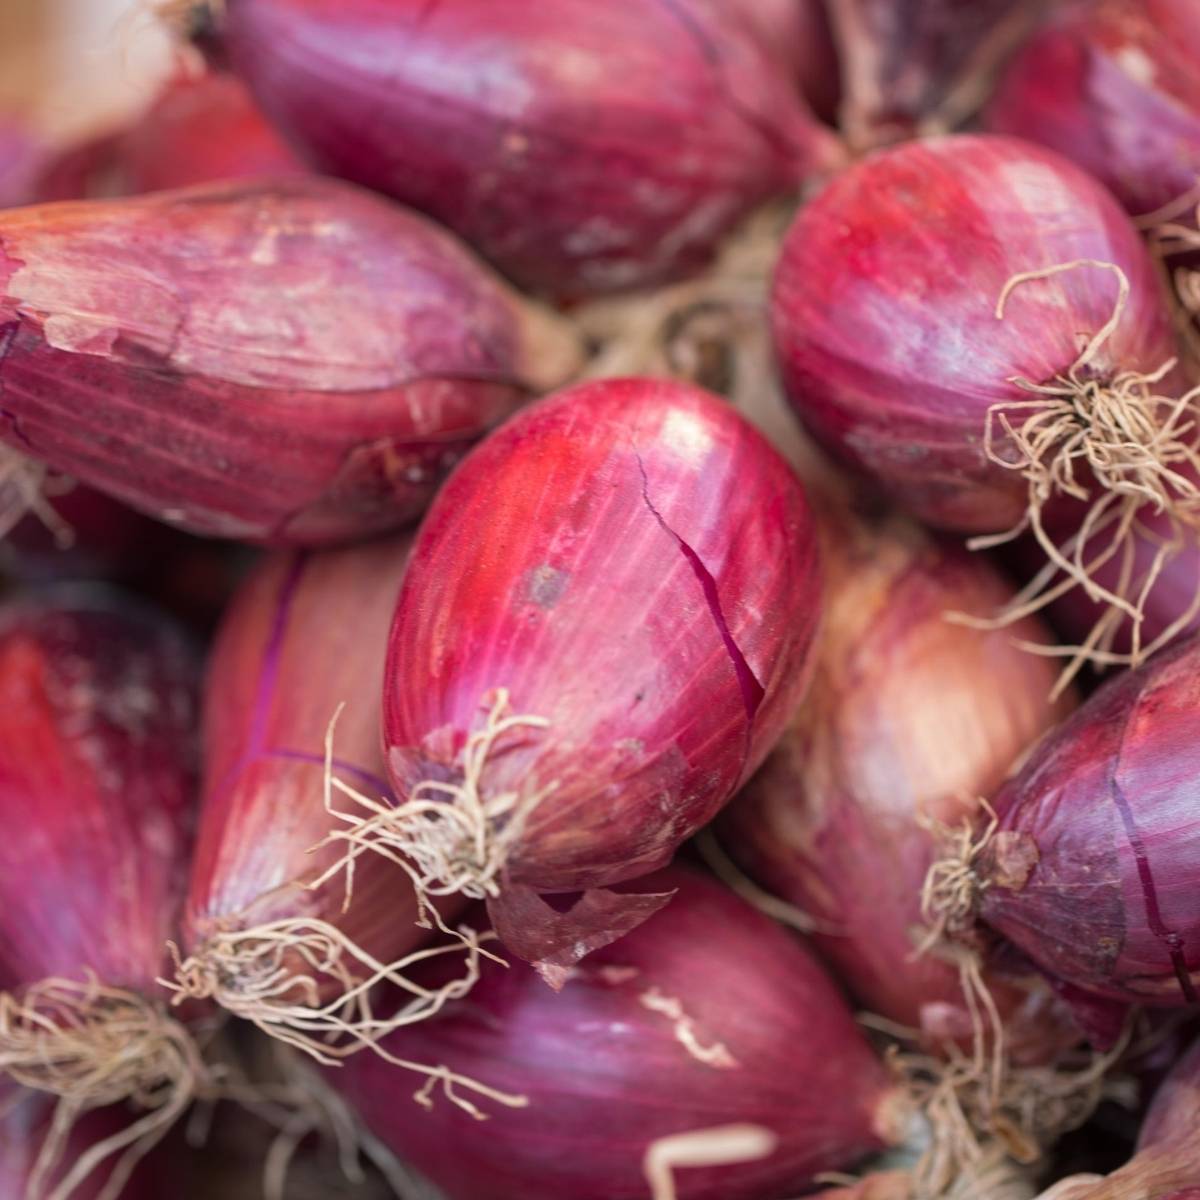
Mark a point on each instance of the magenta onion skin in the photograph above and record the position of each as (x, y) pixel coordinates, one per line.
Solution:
(580, 147)
(883, 312)
(161, 349)
(645, 529)
(198, 130)
(97, 765)
(25, 1123)
(909, 718)
(1092, 870)
(606, 1071)
(1113, 86)
(305, 633)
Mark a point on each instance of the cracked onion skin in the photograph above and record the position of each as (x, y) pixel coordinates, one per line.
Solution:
(1092, 872)
(883, 312)
(290, 362)
(304, 634)
(634, 563)
(1113, 86)
(198, 130)
(606, 1071)
(580, 147)
(97, 774)
(910, 718)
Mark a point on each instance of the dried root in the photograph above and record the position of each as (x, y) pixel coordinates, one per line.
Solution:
(952, 888)
(26, 486)
(1081, 432)
(448, 837)
(720, 1146)
(1174, 231)
(90, 1046)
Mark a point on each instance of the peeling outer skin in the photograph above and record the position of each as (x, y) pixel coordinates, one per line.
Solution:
(884, 312)
(1113, 86)
(97, 773)
(304, 634)
(637, 566)
(580, 147)
(1106, 812)
(287, 361)
(910, 717)
(708, 1014)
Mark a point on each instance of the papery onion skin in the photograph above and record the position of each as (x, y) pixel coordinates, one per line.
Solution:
(290, 362)
(1113, 86)
(198, 130)
(580, 147)
(97, 773)
(884, 320)
(1092, 870)
(910, 719)
(607, 1071)
(635, 564)
(305, 633)
(902, 60)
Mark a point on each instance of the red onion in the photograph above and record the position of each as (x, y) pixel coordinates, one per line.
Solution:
(1091, 867)
(602, 631)
(20, 159)
(581, 147)
(1113, 86)
(909, 65)
(885, 312)
(910, 718)
(168, 350)
(305, 633)
(199, 130)
(707, 1015)
(96, 797)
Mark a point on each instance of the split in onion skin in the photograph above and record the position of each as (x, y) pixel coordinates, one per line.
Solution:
(909, 720)
(1113, 86)
(1091, 868)
(884, 312)
(708, 1014)
(198, 130)
(580, 147)
(291, 362)
(635, 565)
(305, 633)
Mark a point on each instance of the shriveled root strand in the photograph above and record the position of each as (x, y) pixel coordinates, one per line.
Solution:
(25, 488)
(720, 1146)
(253, 974)
(91, 1046)
(449, 837)
(1118, 433)
(952, 888)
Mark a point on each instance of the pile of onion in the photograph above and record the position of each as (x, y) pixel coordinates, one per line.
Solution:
(707, 1017)
(290, 361)
(580, 147)
(1089, 867)
(974, 324)
(96, 794)
(603, 628)
(199, 129)
(304, 636)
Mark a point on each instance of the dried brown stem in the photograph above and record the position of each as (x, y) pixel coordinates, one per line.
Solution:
(1109, 441)
(448, 837)
(91, 1046)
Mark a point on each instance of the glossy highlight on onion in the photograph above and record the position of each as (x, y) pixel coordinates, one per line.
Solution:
(602, 631)
(579, 147)
(707, 1015)
(290, 361)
